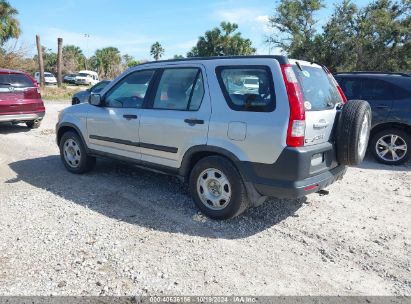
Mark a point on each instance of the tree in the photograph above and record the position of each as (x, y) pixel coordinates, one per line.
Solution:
(9, 25)
(157, 50)
(129, 61)
(49, 59)
(73, 59)
(294, 26)
(223, 41)
(178, 57)
(376, 37)
(108, 62)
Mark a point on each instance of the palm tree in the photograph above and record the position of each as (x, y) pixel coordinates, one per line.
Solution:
(157, 50)
(9, 25)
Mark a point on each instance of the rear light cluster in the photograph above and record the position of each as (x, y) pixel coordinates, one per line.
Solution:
(296, 124)
(32, 93)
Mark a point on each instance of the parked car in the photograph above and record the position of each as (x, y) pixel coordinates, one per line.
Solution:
(49, 78)
(87, 78)
(83, 96)
(389, 95)
(293, 137)
(20, 99)
(70, 78)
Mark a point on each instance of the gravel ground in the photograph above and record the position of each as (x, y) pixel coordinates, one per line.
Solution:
(124, 231)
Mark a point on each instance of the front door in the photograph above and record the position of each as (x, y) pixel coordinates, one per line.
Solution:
(177, 116)
(114, 127)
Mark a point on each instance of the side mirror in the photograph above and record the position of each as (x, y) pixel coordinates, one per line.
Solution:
(95, 100)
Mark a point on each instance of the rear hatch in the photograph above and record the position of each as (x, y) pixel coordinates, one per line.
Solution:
(321, 99)
(18, 94)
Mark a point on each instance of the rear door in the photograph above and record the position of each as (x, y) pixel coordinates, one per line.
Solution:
(12, 88)
(177, 117)
(380, 95)
(321, 98)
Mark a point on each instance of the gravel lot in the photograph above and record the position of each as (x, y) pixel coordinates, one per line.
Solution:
(124, 231)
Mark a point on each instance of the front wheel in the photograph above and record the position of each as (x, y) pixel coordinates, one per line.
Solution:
(217, 188)
(73, 154)
(391, 146)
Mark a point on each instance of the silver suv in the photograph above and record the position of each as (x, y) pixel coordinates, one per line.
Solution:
(287, 134)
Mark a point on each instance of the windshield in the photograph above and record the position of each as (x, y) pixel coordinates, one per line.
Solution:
(318, 89)
(84, 75)
(15, 80)
(48, 75)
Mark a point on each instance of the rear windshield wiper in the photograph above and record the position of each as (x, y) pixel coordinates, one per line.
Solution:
(5, 83)
(299, 66)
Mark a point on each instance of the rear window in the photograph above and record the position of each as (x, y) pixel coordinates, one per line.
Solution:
(15, 80)
(319, 91)
(247, 88)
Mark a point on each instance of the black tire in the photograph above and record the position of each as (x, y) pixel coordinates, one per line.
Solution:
(348, 133)
(85, 162)
(238, 202)
(75, 101)
(33, 124)
(403, 138)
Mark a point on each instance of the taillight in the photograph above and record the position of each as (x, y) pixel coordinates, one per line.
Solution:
(296, 124)
(32, 93)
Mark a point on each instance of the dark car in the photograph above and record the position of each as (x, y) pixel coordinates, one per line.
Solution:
(389, 95)
(70, 78)
(82, 96)
(20, 99)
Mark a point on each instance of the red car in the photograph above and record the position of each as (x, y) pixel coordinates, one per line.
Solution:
(20, 99)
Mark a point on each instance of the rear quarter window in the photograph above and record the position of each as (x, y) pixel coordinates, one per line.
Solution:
(15, 80)
(247, 88)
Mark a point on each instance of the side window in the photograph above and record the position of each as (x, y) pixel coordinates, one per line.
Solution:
(247, 88)
(99, 87)
(375, 89)
(130, 91)
(180, 89)
(351, 87)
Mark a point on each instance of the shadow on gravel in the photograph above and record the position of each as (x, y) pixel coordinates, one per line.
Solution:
(7, 128)
(143, 198)
(370, 163)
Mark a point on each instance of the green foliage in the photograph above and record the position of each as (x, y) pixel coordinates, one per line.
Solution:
(107, 62)
(129, 61)
(223, 41)
(73, 59)
(157, 50)
(178, 57)
(49, 59)
(376, 37)
(9, 25)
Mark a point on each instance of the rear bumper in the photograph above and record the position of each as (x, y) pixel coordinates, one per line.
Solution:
(22, 117)
(297, 172)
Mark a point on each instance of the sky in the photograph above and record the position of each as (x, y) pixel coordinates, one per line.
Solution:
(133, 26)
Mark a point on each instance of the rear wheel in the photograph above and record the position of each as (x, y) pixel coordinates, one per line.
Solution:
(391, 146)
(33, 124)
(353, 131)
(73, 154)
(75, 101)
(217, 188)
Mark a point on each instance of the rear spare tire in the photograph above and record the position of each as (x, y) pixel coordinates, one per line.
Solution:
(353, 132)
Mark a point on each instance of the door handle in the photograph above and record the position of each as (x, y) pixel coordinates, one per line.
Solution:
(194, 121)
(130, 116)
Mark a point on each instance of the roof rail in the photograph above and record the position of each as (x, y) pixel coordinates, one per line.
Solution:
(281, 59)
(376, 73)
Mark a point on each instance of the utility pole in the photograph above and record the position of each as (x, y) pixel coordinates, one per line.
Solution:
(41, 63)
(59, 60)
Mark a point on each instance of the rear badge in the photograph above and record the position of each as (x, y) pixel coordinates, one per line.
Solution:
(306, 74)
(307, 105)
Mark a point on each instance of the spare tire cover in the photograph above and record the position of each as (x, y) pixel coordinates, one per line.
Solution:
(353, 132)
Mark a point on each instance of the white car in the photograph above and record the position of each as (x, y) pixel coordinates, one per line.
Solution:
(49, 78)
(251, 83)
(87, 78)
